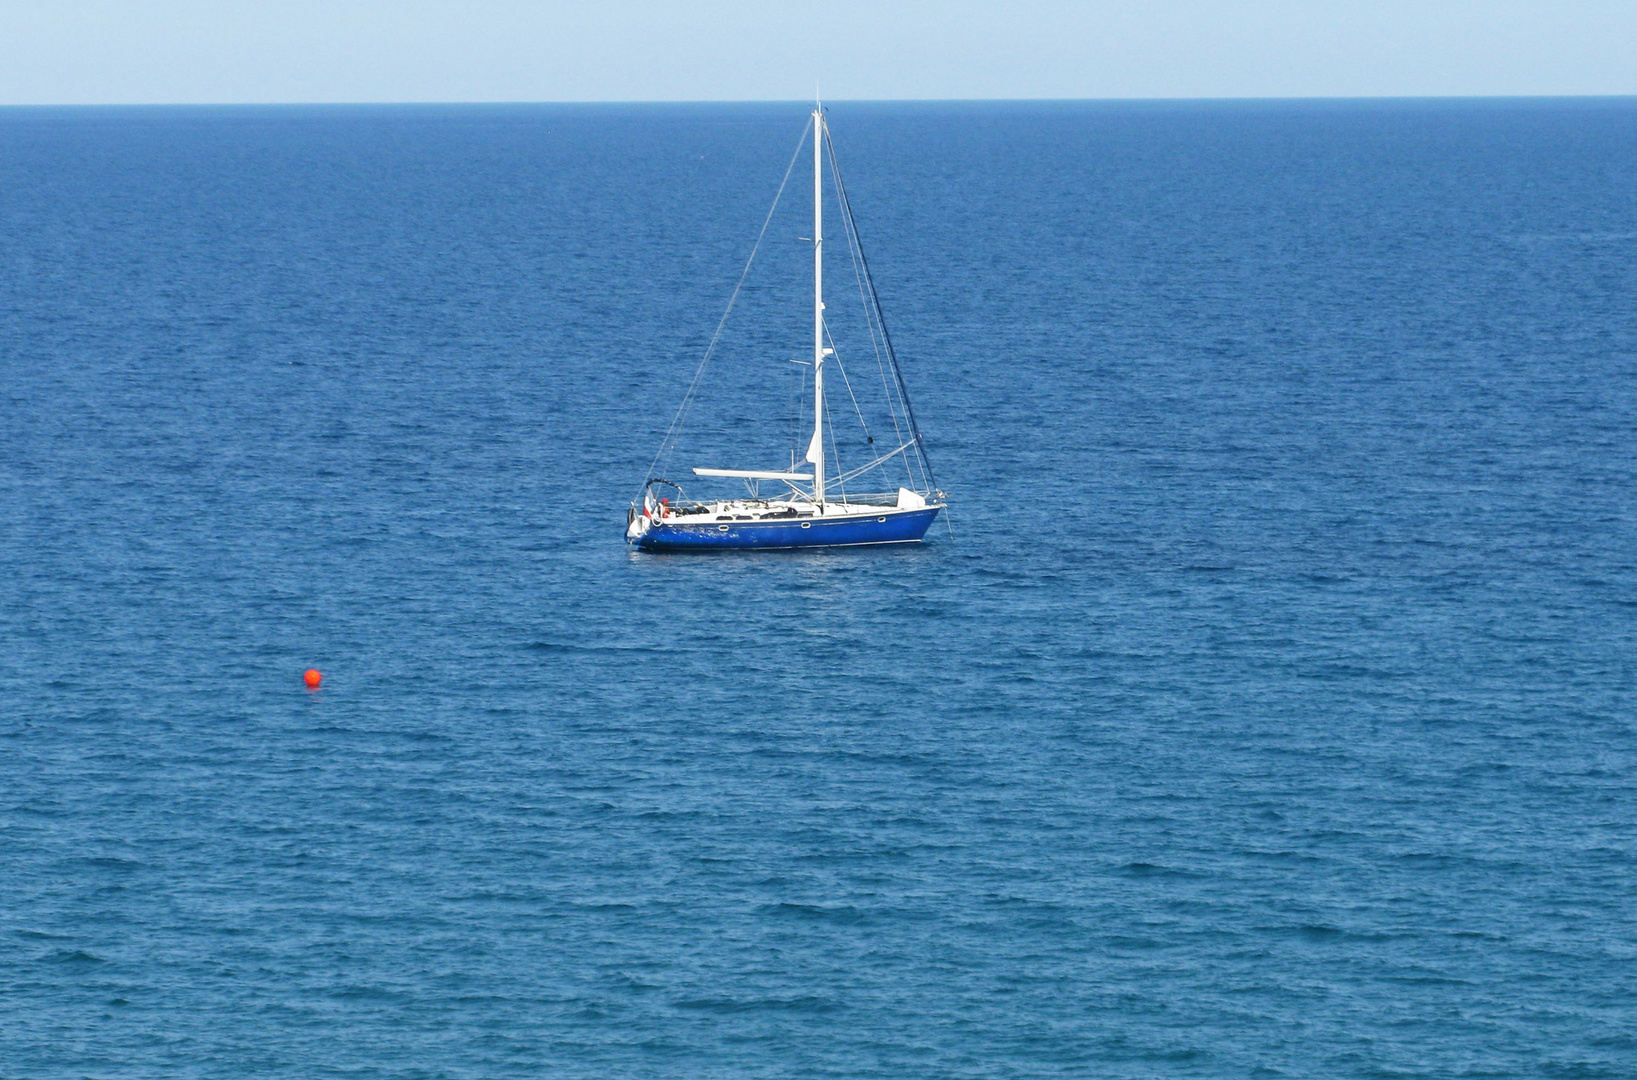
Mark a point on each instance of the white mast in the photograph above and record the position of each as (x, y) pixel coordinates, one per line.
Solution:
(815, 449)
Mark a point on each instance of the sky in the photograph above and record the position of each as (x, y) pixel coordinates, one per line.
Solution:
(219, 51)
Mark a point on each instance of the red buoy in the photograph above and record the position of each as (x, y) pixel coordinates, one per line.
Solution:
(313, 677)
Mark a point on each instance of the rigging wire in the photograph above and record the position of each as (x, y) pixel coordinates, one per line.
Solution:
(797, 383)
(840, 481)
(875, 345)
(671, 433)
(888, 391)
(836, 356)
(869, 278)
(862, 469)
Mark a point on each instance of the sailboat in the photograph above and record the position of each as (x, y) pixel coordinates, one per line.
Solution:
(811, 505)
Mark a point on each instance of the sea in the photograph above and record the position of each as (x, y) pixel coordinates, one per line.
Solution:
(1263, 706)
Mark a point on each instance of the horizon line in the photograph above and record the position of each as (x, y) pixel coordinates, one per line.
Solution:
(828, 101)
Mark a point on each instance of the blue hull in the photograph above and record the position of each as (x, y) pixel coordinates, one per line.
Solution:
(888, 527)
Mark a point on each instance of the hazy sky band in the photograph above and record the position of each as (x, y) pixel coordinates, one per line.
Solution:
(186, 51)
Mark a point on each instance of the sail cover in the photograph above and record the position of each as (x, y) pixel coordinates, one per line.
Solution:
(752, 474)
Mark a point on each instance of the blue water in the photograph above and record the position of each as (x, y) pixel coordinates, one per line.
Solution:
(1269, 709)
